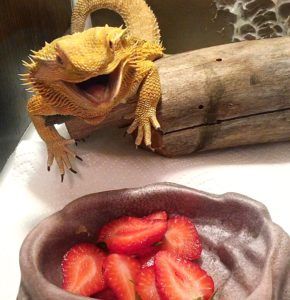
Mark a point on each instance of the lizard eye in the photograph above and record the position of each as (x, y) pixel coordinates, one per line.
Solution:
(59, 60)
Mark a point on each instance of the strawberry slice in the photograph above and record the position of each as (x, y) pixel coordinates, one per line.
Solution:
(130, 235)
(146, 286)
(181, 238)
(115, 226)
(120, 274)
(159, 215)
(82, 270)
(177, 278)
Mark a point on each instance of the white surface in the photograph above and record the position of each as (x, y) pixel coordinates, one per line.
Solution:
(29, 193)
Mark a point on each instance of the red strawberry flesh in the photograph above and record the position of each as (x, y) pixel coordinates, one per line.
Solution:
(181, 238)
(146, 258)
(82, 270)
(147, 261)
(131, 236)
(146, 286)
(112, 228)
(181, 279)
(121, 274)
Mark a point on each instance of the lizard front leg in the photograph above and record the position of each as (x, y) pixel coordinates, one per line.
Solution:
(148, 97)
(57, 146)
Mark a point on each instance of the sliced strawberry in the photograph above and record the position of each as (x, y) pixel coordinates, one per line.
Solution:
(159, 215)
(178, 278)
(106, 294)
(82, 270)
(181, 238)
(146, 286)
(120, 274)
(148, 251)
(130, 235)
(115, 226)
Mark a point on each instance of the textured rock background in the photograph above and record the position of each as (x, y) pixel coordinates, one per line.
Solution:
(257, 19)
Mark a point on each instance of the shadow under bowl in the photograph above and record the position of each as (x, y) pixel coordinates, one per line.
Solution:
(247, 255)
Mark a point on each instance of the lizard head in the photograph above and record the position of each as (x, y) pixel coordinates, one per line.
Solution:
(86, 67)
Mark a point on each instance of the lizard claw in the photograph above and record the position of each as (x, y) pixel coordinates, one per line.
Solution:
(73, 171)
(159, 130)
(58, 150)
(79, 158)
(151, 148)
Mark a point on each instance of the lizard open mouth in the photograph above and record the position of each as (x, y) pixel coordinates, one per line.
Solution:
(102, 88)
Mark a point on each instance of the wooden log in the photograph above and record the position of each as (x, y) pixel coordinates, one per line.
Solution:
(217, 97)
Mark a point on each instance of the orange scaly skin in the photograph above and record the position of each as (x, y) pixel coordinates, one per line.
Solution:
(119, 64)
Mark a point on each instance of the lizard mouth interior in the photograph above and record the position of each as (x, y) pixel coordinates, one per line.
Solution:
(102, 88)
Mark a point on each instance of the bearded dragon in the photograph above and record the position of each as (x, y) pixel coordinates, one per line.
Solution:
(88, 73)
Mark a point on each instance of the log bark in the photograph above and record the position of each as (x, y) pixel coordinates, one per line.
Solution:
(217, 97)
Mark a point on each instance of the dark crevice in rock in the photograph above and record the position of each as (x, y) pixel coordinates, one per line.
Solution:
(257, 19)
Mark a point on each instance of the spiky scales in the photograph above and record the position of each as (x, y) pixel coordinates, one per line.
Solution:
(88, 73)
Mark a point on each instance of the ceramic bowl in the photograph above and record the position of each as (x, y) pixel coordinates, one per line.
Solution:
(243, 250)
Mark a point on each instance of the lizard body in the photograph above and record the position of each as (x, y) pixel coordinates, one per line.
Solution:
(87, 73)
